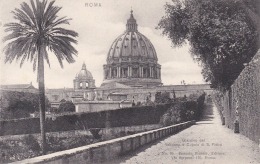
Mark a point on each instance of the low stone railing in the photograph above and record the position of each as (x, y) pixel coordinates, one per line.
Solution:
(108, 150)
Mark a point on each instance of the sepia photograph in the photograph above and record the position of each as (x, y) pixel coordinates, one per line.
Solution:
(130, 82)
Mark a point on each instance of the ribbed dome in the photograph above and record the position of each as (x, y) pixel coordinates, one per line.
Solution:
(131, 44)
(132, 59)
(84, 73)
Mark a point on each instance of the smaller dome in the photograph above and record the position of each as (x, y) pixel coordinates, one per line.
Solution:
(84, 73)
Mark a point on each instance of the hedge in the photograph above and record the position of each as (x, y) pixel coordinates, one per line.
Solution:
(78, 121)
(183, 110)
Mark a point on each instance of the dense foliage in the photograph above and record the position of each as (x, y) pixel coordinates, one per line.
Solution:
(142, 115)
(15, 150)
(184, 110)
(222, 35)
(163, 97)
(27, 146)
(66, 106)
(19, 104)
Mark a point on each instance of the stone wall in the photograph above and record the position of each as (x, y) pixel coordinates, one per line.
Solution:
(245, 97)
(98, 106)
(135, 93)
(108, 150)
(141, 94)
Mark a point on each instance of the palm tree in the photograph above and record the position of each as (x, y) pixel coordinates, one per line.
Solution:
(36, 31)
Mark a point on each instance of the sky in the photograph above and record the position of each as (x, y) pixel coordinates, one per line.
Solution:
(98, 26)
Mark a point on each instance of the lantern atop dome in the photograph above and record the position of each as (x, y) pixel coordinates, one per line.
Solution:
(131, 24)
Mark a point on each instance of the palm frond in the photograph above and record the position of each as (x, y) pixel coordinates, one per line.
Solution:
(63, 20)
(64, 32)
(12, 36)
(64, 44)
(18, 48)
(38, 28)
(51, 16)
(47, 13)
(29, 12)
(15, 27)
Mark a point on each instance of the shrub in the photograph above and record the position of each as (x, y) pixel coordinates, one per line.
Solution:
(4, 147)
(166, 119)
(77, 141)
(19, 104)
(162, 98)
(183, 110)
(54, 110)
(56, 143)
(78, 121)
(31, 142)
(172, 116)
(67, 106)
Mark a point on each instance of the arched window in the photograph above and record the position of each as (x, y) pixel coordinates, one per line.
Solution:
(80, 85)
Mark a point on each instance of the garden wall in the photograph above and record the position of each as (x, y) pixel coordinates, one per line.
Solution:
(108, 150)
(245, 96)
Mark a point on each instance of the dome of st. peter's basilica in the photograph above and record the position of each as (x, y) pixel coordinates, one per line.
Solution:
(132, 59)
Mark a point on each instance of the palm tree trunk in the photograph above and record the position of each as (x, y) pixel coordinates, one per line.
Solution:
(41, 97)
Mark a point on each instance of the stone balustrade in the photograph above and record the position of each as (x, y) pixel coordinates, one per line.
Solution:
(108, 150)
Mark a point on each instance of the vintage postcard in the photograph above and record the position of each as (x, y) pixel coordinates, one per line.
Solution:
(112, 81)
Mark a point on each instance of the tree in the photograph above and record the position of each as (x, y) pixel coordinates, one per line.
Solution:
(222, 35)
(67, 106)
(252, 8)
(37, 28)
(163, 98)
(20, 104)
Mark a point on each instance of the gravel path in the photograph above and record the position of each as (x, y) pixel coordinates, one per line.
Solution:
(207, 142)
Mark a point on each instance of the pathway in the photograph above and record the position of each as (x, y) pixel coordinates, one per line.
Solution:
(207, 142)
